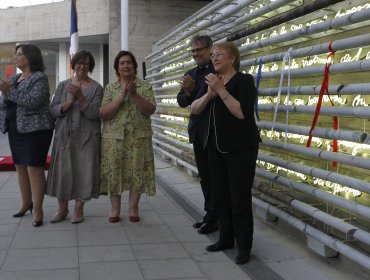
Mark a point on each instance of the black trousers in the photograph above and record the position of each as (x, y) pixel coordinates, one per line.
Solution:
(232, 176)
(201, 159)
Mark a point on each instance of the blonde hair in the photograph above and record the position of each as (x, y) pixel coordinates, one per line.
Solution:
(231, 49)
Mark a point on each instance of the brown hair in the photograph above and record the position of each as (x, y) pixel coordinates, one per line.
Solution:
(80, 55)
(124, 53)
(231, 49)
(33, 55)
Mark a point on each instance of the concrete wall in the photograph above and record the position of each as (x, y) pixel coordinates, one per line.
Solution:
(52, 21)
(148, 21)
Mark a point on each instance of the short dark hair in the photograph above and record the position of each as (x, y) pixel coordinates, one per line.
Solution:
(205, 39)
(80, 55)
(124, 53)
(33, 55)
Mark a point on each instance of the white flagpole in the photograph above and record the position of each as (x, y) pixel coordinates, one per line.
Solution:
(124, 25)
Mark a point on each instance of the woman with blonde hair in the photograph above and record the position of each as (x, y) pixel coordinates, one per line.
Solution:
(232, 145)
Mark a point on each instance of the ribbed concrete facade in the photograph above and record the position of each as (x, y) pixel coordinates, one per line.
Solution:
(99, 30)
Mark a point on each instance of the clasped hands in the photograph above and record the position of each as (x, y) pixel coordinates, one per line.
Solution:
(215, 84)
(128, 88)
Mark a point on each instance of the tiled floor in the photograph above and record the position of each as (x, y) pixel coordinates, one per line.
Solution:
(163, 245)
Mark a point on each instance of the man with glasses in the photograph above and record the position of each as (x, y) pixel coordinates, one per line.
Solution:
(193, 86)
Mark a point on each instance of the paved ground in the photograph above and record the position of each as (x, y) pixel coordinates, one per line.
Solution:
(162, 246)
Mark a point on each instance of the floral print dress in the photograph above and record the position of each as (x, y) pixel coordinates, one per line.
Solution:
(127, 159)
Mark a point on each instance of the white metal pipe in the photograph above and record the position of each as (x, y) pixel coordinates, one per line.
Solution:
(165, 105)
(168, 62)
(195, 18)
(318, 173)
(320, 27)
(355, 112)
(352, 136)
(173, 78)
(161, 127)
(217, 18)
(177, 159)
(312, 29)
(349, 89)
(329, 241)
(340, 111)
(340, 202)
(343, 44)
(168, 88)
(344, 67)
(251, 15)
(172, 140)
(167, 146)
(168, 96)
(318, 153)
(317, 28)
(169, 121)
(334, 222)
(182, 66)
(315, 213)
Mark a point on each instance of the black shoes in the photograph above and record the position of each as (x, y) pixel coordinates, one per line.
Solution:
(208, 228)
(219, 247)
(242, 257)
(200, 223)
(37, 223)
(22, 213)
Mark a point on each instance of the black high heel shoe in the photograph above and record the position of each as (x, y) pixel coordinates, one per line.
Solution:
(38, 223)
(22, 213)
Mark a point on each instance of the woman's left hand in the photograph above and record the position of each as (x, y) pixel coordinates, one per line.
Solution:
(4, 87)
(215, 82)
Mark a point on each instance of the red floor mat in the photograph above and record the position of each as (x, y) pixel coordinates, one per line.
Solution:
(6, 163)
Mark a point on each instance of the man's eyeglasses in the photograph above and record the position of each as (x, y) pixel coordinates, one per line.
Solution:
(197, 50)
(18, 54)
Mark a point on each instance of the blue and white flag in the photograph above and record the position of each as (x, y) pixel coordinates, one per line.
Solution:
(74, 30)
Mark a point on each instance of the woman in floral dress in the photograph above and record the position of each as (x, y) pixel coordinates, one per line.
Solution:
(127, 162)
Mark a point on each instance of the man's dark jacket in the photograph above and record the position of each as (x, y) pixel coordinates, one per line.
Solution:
(198, 124)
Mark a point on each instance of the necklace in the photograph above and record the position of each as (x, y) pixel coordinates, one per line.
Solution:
(25, 76)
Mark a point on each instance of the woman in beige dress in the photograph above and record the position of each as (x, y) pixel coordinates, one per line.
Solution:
(127, 162)
(75, 168)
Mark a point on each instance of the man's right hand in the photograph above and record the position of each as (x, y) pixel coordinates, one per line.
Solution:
(188, 84)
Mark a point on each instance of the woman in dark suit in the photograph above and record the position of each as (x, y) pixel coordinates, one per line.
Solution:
(27, 119)
(232, 147)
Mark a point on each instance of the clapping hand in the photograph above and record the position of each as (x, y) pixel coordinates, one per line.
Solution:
(4, 87)
(74, 90)
(188, 84)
